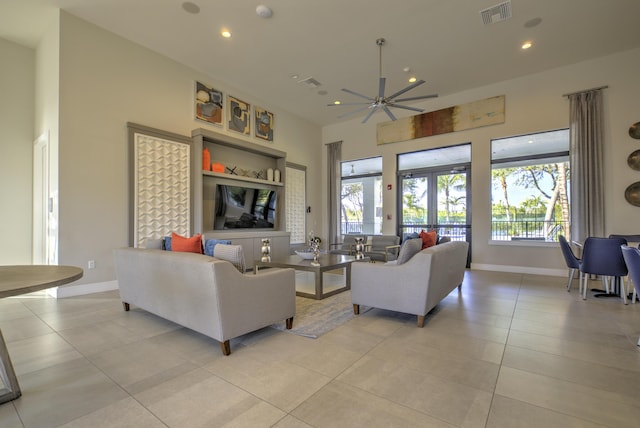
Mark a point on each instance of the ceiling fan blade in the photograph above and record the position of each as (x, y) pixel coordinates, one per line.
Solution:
(348, 104)
(381, 87)
(423, 97)
(353, 112)
(373, 110)
(405, 107)
(386, 110)
(349, 91)
(408, 88)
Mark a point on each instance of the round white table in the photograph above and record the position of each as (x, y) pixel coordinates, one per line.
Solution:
(16, 280)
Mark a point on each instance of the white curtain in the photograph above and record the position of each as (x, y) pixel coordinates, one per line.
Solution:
(587, 176)
(334, 157)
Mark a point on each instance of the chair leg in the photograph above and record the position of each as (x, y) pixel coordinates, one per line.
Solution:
(584, 286)
(623, 289)
(356, 309)
(572, 273)
(289, 323)
(420, 321)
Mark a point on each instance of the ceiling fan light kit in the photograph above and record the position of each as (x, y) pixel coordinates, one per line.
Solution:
(380, 101)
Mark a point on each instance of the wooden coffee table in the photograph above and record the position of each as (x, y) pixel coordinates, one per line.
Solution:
(328, 262)
(16, 280)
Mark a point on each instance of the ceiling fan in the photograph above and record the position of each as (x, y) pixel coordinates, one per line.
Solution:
(380, 101)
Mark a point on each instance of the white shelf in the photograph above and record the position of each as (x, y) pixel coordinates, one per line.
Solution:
(241, 178)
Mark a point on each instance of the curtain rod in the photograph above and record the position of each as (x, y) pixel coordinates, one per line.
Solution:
(586, 90)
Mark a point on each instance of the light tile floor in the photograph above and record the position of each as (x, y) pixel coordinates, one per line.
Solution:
(509, 350)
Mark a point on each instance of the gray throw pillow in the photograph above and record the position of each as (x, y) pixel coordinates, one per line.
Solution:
(230, 253)
(410, 248)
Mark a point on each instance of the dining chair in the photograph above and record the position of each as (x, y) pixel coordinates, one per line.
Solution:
(573, 263)
(632, 259)
(603, 256)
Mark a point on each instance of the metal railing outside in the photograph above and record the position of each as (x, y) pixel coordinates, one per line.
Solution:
(527, 230)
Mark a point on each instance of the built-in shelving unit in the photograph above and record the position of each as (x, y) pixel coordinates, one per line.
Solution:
(242, 156)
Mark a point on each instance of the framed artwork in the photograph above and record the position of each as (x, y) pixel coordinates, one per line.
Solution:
(239, 116)
(264, 123)
(209, 104)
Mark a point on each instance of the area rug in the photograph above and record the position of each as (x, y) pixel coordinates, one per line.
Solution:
(316, 317)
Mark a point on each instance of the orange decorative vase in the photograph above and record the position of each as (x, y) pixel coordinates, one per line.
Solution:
(206, 160)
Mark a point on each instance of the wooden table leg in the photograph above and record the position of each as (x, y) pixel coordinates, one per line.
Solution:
(11, 389)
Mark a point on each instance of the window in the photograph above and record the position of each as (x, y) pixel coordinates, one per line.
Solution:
(361, 196)
(530, 187)
(434, 190)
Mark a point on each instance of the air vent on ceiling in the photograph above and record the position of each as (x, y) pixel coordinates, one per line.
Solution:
(310, 82)
(497, 13)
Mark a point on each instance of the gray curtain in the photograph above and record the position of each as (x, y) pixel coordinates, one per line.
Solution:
(587, 176)
(334, 157)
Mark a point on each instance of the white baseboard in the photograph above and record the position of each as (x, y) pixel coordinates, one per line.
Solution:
(519, 269)
(82, 289)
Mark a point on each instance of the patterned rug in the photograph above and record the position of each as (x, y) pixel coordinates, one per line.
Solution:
(316, 317)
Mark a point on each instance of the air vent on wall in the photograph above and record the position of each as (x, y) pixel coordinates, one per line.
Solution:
(497, 13)
(310, 82)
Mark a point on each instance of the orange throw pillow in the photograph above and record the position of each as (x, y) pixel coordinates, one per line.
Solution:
(186, 245)
(428, 238)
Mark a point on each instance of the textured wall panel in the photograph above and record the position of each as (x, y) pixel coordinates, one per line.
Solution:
(162, 180)
(295, 204)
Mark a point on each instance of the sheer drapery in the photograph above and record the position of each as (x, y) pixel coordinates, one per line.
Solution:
(334, 157)
(587, 175)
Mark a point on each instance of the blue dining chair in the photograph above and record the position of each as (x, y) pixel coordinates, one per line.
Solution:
(573, 263)
(603, 256)
(632, 259)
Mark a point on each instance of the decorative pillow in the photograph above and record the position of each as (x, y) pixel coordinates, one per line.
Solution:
(230, 253)
(428, 238)
(166, 243)
(407, 236)
(153, 244)
(410, 248)
(210, 244)
(444, 239)
(186, 245)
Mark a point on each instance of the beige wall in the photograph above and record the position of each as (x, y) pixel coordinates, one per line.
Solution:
(16, 140)
(105, 82)
(533, 103)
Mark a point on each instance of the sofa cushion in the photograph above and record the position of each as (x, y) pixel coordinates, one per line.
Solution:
(230, 253)
(428, 238)
(410, 248)
(180, 243)
(209, 245)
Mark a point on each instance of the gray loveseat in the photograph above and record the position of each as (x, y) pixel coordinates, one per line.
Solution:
(414, 287)
(204, 294)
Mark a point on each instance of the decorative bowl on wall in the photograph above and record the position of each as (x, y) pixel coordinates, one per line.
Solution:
(632, 194)
(634, 160)
(634, 131)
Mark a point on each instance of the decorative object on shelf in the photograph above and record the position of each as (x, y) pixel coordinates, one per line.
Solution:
(276, 175)
(264, 123)
(269, 174)
(239, 117)
(632, 194)
(206, 160)
(359, 247)
(245, 172)
(232, 171)
(260, 175)
(314, 246)
(634, 131)
(217, 167)
(266, 250)
(208, 104)
(634, 160)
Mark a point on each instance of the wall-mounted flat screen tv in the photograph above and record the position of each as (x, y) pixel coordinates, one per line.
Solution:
(244, 207)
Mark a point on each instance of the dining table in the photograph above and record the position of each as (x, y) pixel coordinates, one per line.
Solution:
(21, 279)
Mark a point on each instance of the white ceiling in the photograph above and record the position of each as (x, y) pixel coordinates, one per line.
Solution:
(443, 41)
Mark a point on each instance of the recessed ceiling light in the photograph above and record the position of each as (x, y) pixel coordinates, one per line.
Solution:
(527, 45)
(190, 7)
(337, 102)
(294, 75)
(226, 34)
(412, 79)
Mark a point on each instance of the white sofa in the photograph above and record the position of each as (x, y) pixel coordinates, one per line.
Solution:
(414, 287)
(204, 293)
